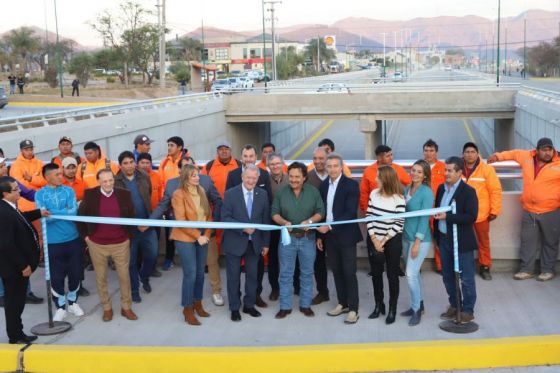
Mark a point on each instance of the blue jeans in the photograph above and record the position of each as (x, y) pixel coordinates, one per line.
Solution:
(147, 242)
(193, 259)
(413, 271)
(303, 249)
(467, 269)
(2, 288)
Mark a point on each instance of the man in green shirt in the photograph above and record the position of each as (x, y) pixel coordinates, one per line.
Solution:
(295, 204)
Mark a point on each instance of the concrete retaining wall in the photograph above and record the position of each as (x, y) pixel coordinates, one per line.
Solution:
(287, 136)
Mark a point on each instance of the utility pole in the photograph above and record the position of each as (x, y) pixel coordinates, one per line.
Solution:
(384, 54)
(395, 58)
(486, 55)
(524, 48)
(318, 54)
(498, 50)
(203, 56)
(264, 45)
(58, 54)
(161, 11)
(505, 53)
(272, 19)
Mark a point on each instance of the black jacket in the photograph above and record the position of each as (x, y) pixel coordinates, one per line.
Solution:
(234, 179)
(345, 207)
(467, 211)
(19, 242)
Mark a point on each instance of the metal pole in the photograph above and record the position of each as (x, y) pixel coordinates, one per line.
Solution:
(162, 44)
(524, 48)
(505, 54)
(273, 32)
(264, 45)
(58, 54)
(384, 53)
(498, 50)
(318, 54)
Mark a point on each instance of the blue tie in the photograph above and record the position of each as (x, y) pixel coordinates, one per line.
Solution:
(249, 203)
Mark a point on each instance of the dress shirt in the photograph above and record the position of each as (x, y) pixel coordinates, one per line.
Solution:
(330, 197)
(446, 201)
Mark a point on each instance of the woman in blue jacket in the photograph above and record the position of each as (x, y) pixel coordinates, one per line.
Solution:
(417, 236)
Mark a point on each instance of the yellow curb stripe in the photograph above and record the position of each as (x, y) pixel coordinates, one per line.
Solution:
(424, 355)
(469, 131)
(64, 104)
(312, 139)
(9, 357)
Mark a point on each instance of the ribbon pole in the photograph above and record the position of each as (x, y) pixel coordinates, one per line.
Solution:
(51, 327)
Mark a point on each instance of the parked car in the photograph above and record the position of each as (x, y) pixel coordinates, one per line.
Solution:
(235, 83)
(398, 76)
(3, 98)
(246, 82)
(330, 88)
(447, 68)
(235, 73)
(221, 86)
(253, 74)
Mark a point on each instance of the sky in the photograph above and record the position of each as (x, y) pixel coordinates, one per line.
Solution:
(183, 16)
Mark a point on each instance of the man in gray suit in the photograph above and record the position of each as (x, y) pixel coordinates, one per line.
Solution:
(245, 203)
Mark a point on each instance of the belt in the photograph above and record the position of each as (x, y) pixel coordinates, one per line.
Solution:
(301, 234)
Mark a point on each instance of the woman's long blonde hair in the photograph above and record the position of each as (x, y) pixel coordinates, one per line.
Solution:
(186, 172)
(390, 184)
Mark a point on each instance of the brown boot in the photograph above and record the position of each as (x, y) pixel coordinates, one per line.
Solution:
(199, 309)
(190, 318)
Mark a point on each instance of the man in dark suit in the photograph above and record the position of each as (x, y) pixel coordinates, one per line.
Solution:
(19, 256)
(249, 157)
(341, 196)
(454, 189)
(245, 203)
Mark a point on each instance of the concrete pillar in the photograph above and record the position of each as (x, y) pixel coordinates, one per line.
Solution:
(373, 135)
(241, 134)
(504, 134)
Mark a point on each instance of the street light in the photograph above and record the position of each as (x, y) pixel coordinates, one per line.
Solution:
(264, 44)
(58, 52)
(498, 50)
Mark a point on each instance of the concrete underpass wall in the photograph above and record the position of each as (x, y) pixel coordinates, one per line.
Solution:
(287, 136)
(484, 134)
(200, 124)
(536, 117)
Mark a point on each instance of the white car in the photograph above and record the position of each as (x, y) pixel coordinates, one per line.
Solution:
(246, 82)
(332, 88)
(221, 86)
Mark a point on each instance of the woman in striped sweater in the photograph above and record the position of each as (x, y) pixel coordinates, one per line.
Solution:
(386, 236)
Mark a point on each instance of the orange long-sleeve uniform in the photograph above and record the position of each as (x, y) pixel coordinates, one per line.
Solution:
(488, 189)
(219, 172)
(541, 192)
(78, 185)
(88, 173)
(368, 182)
(157, 188)
(262, 166)
(33, 168)
(169, 169)
(438, 175)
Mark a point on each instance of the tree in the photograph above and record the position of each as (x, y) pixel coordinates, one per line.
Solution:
(22, 44)
(452, 52)
(543, 58)
(326, 54)
(122, 31)
(185, 49)
(49, 49)
(181, 71)
(82, 65)
(108, 59)
(288, 62)
(146, 50)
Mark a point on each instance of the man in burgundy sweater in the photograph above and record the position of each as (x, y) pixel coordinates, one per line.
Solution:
(109, 241)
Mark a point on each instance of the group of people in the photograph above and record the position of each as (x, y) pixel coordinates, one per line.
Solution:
(265, 191)
(18, 81)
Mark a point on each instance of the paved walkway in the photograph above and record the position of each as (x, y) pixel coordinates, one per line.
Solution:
(505, 308)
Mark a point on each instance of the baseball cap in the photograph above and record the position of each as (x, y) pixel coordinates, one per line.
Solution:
(26, 144)
(69, 161)
(142, 139)
(65, 138)
(544, 143)
(223, 143)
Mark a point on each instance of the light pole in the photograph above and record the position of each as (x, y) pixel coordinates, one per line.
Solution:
(524, 48)
(58, 52)
(498, 50)
(273, 33)
(384, 54)
(264, 45)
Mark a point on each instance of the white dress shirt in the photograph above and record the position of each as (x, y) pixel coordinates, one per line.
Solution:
(330, 197)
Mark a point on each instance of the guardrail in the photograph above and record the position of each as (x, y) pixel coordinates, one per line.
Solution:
(548, 95)
(73, 115)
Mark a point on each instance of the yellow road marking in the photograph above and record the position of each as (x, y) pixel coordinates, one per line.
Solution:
(312, 139)
(64, 104)
(469, 131)
(396, 356)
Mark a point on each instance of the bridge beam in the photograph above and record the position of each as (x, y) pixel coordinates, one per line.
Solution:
(373, 135)
(504, 134)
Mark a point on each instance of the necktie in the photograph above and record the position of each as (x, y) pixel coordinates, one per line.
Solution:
(249, 203)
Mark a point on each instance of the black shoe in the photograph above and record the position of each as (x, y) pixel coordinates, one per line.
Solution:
(112, 265)
(415, 319)
(274, 294)
(205, 269)
(370, 274)
(391, 316)
(319, 298)
(147, 287)
(379, 309)
(89, 267)
(307, 311)
(83, 292)
(409, 312)
(235, 316)
(2, 302)
(252, 311)
(485, 273)
(33, 299)
(401, 273)
(23, 340)
(155, 273)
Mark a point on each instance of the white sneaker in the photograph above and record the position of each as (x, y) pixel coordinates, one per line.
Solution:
(59, 315)
(76, 310)
(352, 317)
(217, 299)
(338, 310)
(545, 276)
(523, 276)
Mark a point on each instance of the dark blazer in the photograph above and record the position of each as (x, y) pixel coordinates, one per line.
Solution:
(90, 207)
(234, 179)
(345, 207)
(234, 210)
(164, 206)
(143, 183)
(467, 211)
(18, 246)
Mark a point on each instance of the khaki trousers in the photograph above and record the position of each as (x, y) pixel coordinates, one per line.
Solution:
(213, 266)
(120, 253)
